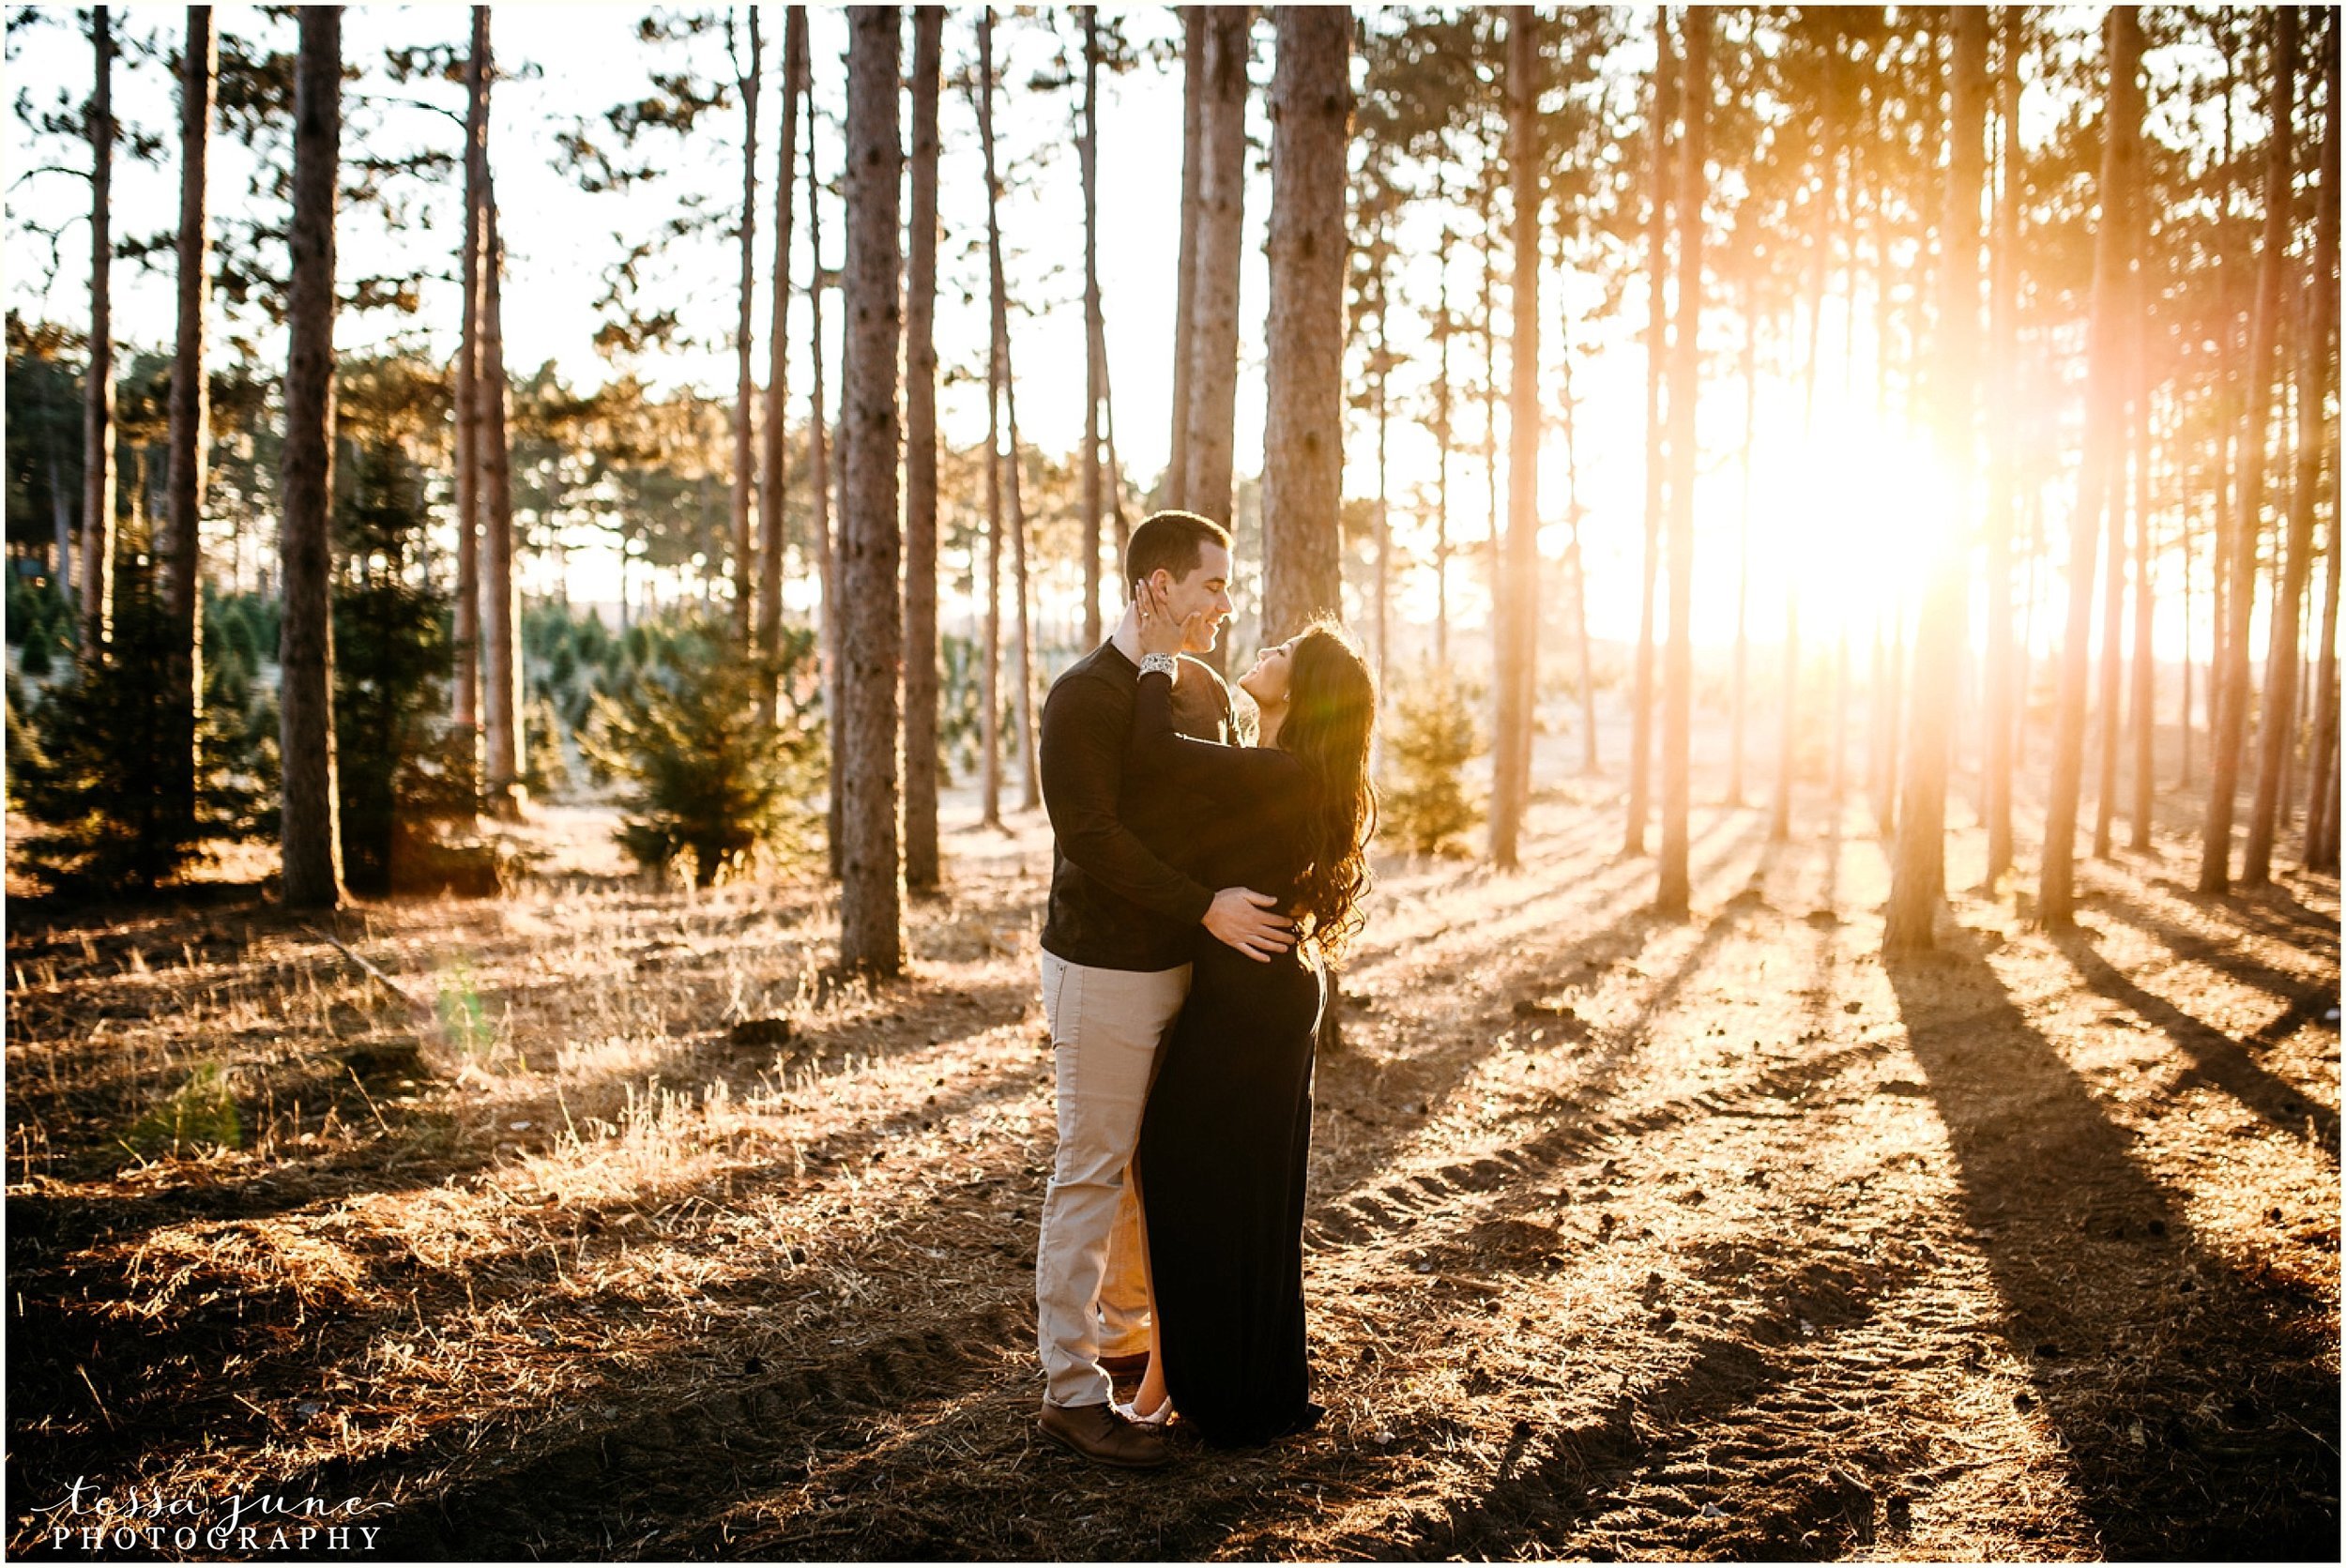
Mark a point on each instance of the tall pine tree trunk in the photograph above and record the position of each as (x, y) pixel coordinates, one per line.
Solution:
(2281, 675)
(2114, 661)
(182, 551)
(2105, 402)
(98, 394)
(309, 825)
(1095, 352)
(924, 870)
(820, 464)
(1022, 583)
(2003, 471)
(1672, 886)
(747, 79)
(990, 602)
(500, 584)
(1170, 489)
(473, 243)
(1511, 605)
(2233, 693)
(871, 888)
(1657, 233)
(773, 479)
(1311, 103)
(1918, 879)
(1213, 310)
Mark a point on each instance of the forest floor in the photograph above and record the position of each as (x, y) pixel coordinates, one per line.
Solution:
(1628, 1237)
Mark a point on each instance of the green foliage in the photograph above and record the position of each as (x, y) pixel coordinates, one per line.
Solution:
(114, 811)
(200, 1113)
(546, 770)
(958, 708)
(403, 775)
(1424, 804)
(709, 788)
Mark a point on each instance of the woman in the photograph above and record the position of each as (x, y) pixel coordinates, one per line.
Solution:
(1227, 1133)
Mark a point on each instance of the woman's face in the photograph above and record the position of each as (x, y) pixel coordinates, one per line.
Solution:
(1267, 682)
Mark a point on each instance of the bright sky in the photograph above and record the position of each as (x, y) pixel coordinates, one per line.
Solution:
(1842, 508)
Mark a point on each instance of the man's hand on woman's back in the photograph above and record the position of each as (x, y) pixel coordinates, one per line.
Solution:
(1245, 920)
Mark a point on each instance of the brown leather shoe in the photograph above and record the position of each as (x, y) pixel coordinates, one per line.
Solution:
(1102, 1436)
(1125, 1366)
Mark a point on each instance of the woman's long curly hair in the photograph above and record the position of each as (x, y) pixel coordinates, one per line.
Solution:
(1332, 712)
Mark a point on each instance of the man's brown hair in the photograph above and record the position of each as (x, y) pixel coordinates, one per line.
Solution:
(1174, 540)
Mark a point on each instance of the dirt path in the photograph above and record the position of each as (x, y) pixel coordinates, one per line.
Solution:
(1629, 1238)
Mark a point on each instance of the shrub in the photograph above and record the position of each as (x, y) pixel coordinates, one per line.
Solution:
(709, 789)
(1424, 805)
(104, 780)
(405, 776)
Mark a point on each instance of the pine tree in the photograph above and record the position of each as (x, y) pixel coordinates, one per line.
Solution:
(1303, 426)
(871, 890)
(310, 832)
(922, 870)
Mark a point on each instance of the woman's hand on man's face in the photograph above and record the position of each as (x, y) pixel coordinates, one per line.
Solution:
(1160, 632)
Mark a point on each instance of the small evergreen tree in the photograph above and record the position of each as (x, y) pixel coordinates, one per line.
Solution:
(710, 789)
(1424, 805)
(405, 775)
(97, 782)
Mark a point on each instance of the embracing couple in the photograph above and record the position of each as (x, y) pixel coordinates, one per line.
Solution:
(1199, 888)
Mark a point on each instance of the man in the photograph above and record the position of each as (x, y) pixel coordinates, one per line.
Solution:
(1115, 968)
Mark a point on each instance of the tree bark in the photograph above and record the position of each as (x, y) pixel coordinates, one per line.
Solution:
(191, 404)
(1021, 576)
(468, 391)
(309, 824)
(1513, 604)
(1657, 237)
(2233, 693)
(500, 585)
(1213, 310)
(2114, 659)
(990, 605)
(1172, 488)
(773, 486)
(1673, 887)
(1311, 105)
(2319, 852)
(98, 395)
(818, 462)
(744, 382)
(924, 870)
(2112, 245)
(1918, 879)
(2314, 371)
(2003, 475)
(1088, 151)
(871, 888)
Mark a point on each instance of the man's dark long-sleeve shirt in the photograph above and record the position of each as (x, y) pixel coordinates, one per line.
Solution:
(1121, 895)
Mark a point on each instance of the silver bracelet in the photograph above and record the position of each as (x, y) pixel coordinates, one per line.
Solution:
(1162, 663)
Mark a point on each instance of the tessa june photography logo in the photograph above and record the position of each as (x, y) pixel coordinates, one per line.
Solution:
(90, 1518)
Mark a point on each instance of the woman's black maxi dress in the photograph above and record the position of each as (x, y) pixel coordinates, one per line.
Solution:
(1226, 1133)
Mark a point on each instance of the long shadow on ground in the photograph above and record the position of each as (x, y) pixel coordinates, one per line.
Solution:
(2203, 1424)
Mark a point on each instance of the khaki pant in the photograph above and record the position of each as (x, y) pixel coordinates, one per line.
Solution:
(1090, 1279)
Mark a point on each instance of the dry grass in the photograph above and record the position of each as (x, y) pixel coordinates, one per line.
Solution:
(1629, 1238)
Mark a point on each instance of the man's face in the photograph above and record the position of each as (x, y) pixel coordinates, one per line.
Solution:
(1206, 588)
